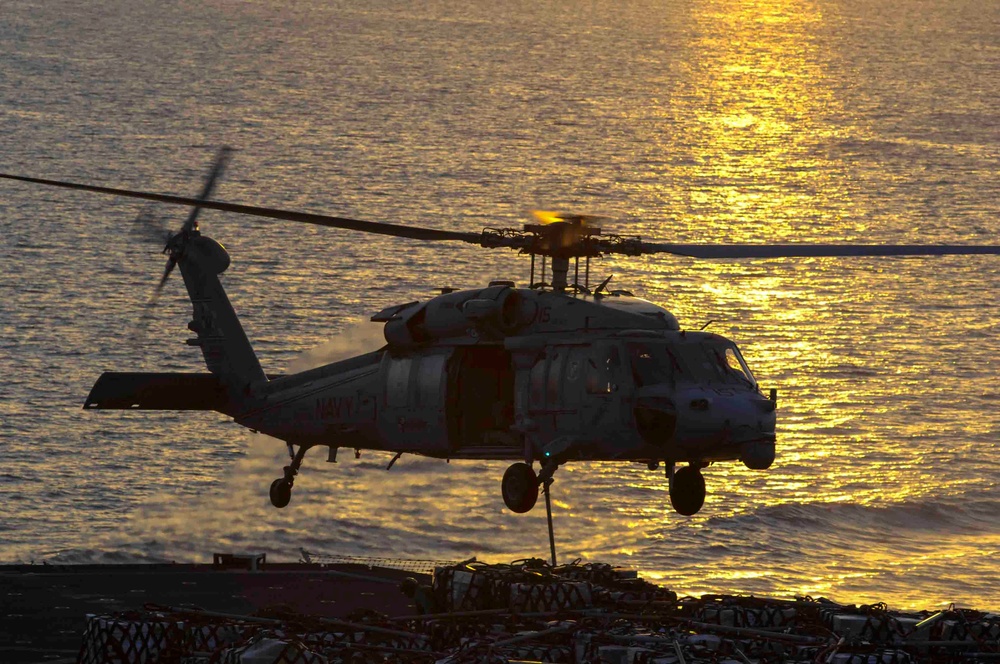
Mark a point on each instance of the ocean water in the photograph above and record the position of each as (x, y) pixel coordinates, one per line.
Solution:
(694, 121)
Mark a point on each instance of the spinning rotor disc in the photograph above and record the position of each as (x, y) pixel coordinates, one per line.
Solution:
(577, 237)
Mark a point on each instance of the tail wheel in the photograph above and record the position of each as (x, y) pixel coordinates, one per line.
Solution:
(687, 490)
(520, 488)
(281, 492)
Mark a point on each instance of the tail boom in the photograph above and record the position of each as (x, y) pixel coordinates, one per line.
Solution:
(227, 351)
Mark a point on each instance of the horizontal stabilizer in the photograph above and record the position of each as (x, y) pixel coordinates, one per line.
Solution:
(158, 391)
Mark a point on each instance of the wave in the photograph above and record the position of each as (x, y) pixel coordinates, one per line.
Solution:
(958, 514)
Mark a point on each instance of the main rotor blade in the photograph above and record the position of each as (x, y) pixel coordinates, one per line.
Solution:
(814, 250)
(380, 227)
(709, 251)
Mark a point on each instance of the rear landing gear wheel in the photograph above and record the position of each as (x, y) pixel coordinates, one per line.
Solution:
(281, 492)
(687, 490)
(281, 488)
(520, 488)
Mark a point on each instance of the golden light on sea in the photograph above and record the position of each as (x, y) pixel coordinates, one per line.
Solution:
(756, 109)
(759, 93)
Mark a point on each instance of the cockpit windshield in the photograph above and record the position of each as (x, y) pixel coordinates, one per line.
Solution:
(706, 362)
(729, 364)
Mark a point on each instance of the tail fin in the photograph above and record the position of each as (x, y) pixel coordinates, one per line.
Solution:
(223, 342)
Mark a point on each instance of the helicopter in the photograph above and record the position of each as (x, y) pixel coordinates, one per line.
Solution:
(548, 374)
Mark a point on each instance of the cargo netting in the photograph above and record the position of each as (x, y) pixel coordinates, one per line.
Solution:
(475, 612)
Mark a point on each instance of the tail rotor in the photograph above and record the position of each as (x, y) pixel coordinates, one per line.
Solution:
(150, 226)
(174, 248)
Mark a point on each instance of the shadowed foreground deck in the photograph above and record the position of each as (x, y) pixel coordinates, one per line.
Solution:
(43, 608)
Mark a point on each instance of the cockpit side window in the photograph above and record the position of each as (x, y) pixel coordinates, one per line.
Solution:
(709, 363)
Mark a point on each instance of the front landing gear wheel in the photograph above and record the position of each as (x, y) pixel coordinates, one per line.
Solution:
(520, 488)
(281, 492)
(687, 490)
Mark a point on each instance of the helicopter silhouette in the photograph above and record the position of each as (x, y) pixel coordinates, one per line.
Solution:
(552, 373)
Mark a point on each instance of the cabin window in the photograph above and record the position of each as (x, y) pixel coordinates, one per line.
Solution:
(574, 376)
(603, 368)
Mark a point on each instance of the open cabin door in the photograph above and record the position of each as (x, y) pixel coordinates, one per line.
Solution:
(481, 398)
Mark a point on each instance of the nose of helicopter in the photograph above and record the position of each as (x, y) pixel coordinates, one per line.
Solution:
(713, 426)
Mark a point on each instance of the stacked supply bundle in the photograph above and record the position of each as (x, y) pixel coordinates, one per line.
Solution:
(530, 611)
